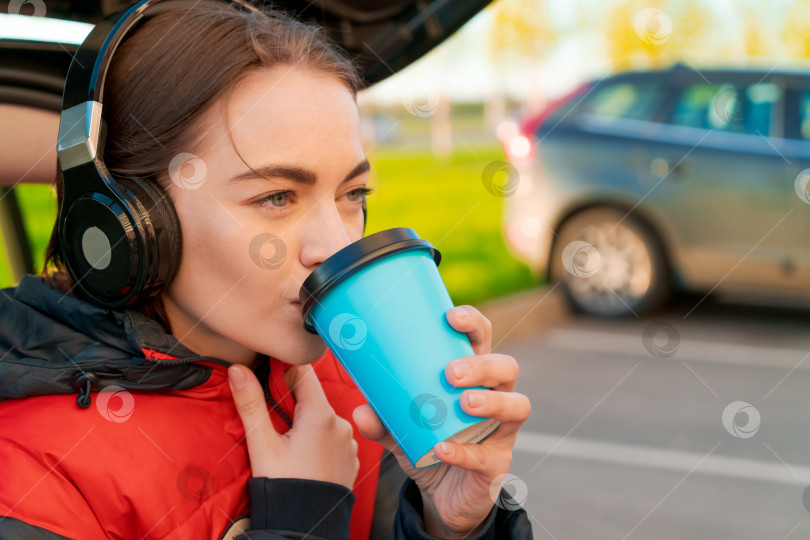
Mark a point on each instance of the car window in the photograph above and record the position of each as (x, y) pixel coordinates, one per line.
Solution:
(38, 208)
(633, 101)
(804, 115)
(727, 107)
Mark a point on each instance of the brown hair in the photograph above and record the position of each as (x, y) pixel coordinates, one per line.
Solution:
(170, 70)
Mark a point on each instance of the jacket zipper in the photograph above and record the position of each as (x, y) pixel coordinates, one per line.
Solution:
(83, 382)
(179, 361)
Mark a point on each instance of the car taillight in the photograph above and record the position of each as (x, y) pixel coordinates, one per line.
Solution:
(519, 140)
(519, 147)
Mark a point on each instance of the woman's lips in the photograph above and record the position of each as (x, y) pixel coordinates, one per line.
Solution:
(297, 305)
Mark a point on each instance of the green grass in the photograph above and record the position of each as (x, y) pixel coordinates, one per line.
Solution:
(442, 199)
(5, 272)
(38, 204)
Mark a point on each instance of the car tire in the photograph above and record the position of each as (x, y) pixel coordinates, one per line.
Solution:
(610, 264)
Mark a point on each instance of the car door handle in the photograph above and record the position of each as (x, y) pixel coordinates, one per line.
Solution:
(661, 167)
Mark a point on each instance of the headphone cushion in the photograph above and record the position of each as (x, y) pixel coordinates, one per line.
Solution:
(165, 223)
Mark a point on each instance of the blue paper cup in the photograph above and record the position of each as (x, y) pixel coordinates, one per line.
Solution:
(380, 306)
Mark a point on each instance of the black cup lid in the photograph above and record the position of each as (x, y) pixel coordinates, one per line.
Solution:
(355, 256)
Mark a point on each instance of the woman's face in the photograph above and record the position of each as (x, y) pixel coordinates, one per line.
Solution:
(250, 241)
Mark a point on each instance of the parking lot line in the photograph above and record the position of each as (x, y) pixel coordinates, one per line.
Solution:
(702, 351)
(662, 458)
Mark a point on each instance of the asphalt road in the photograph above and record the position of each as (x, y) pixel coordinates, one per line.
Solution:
(667, 427)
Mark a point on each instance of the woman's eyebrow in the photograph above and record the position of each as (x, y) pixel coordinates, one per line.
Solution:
(296, 174)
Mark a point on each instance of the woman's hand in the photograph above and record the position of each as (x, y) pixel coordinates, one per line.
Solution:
(456, 493)
(320, 445)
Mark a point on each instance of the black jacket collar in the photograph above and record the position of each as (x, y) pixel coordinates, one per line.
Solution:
(53, 343)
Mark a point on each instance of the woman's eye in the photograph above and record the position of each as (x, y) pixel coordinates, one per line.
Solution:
(359, 194)
(278, 199)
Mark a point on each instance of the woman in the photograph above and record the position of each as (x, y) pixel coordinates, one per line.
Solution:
(249, 125)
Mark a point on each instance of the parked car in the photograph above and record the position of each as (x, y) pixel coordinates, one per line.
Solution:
(647, 182)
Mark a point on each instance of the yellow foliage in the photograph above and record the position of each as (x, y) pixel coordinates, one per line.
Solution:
(653, 35)
(796, 32)
(519, 29)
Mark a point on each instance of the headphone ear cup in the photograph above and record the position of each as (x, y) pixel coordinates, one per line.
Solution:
(162, 232)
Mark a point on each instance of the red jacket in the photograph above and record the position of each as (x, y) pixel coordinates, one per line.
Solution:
(164, 458)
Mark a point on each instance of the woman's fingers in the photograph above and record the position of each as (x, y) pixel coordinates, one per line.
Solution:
(371, 427)
(320, 446)
(470, 321)
(485, 459)
(496, 371)
(509, 408)
(308, 392)
(249, 399)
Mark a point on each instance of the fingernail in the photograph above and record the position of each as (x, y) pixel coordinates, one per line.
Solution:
(444, 449)
(476, 400)
(236, 378)
(460, 370)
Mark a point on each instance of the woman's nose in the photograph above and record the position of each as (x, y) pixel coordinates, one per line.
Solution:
(324, 235)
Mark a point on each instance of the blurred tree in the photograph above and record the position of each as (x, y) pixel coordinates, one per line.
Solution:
(761, 31)
(518, 40)
(520, 31)
(653, 35)
(796, 31)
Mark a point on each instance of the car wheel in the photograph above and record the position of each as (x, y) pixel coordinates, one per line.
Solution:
(610, 264)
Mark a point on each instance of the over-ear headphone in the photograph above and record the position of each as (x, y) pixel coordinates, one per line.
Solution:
(120, 239)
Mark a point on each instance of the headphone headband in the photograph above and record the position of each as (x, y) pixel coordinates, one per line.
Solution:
(85, 78)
